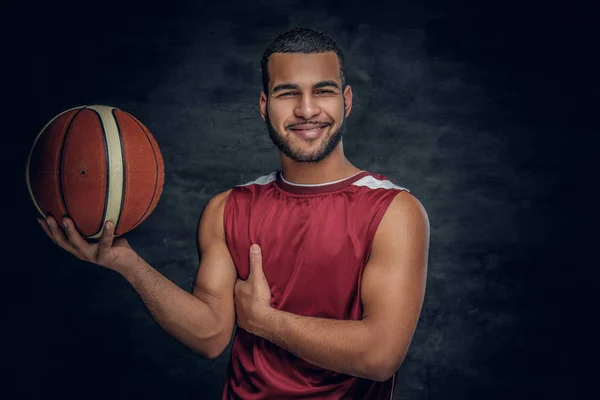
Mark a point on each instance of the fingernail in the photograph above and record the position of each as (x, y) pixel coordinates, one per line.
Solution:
(254, 248)
(65, 224)
(109, 225)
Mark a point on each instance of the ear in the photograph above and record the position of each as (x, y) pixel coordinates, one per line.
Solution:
(263, 105)
(347, 100)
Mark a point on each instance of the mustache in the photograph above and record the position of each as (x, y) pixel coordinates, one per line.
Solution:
(310, 123)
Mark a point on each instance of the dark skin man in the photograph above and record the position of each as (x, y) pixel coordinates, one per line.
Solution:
(305, 109)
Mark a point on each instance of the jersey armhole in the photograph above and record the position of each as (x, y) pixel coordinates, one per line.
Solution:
(227, 214)
(382, 207)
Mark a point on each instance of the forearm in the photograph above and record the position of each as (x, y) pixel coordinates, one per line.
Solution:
(179, 313)
(338, 345)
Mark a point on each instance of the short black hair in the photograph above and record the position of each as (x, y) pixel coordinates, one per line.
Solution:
(301, 40)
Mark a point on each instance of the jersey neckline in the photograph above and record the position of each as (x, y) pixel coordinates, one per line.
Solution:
(320, 188)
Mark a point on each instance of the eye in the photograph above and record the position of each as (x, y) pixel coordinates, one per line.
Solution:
(324, 91)
(287, 94)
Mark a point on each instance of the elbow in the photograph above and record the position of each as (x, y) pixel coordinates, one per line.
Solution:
(212, 346)
(382, 375)
(210, 350)
(217, 345)
(213, 353)
(384, 366)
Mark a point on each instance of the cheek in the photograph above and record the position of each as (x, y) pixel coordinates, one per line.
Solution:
(335, 108)
(337, 113)
(277, 115)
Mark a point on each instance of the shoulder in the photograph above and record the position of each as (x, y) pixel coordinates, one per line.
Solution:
(405, 217)
(217, 202)
(242, 192)
(406, 204)
(212, 216)
(214, 211)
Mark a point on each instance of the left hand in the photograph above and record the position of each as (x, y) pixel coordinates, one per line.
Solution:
(111, 253)
(253, 296)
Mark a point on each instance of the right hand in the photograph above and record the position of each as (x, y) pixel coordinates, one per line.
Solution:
(113, 254)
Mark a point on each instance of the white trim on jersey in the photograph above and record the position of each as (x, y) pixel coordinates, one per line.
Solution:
(318, 184)
(263, 180)
(369, 181)
(373, 183)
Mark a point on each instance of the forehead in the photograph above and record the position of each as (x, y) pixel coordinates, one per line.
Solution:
(303, 68)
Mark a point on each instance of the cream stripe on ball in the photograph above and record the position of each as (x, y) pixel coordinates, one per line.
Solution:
(114, 151)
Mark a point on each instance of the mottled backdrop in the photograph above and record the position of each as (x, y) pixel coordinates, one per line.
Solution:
(482, 110)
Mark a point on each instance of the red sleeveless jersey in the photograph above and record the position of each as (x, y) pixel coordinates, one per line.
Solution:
(315, 241)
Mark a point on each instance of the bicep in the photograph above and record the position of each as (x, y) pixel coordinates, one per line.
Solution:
(393, 283)
(216, 276)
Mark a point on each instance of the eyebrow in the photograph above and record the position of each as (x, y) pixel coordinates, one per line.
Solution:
(291, 86)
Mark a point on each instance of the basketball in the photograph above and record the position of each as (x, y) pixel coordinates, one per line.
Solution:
(95, 164)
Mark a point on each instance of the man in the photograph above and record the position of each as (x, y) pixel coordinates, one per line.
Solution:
(327, 305)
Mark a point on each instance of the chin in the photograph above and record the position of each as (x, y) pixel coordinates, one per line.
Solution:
(306, 151)
(309, 156)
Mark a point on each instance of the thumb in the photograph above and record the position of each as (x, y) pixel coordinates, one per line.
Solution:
(256, 260)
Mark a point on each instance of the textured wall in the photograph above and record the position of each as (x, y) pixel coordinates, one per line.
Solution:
(466, 105)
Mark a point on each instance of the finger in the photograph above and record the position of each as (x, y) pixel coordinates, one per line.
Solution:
(44, 226)
(106, 240)
(256, 261)
(59, 237)
(75, 239)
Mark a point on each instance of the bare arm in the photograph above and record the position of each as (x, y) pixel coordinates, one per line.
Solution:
(393, 288)
(203, 320)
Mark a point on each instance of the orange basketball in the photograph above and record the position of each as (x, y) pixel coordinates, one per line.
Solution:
(95, 164)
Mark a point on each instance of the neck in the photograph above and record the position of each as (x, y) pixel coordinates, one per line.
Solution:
(334, 168)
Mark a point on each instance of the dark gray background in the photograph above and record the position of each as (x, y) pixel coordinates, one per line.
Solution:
(483, 109)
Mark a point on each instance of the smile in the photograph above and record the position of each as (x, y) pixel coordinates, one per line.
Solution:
(309, 131)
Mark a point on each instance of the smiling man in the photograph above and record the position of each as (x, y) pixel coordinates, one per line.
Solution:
(321, 264)
(308, 133)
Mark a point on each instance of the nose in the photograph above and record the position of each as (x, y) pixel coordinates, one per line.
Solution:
(307, 108)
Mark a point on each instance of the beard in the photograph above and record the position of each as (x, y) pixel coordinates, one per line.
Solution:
(298, 155)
